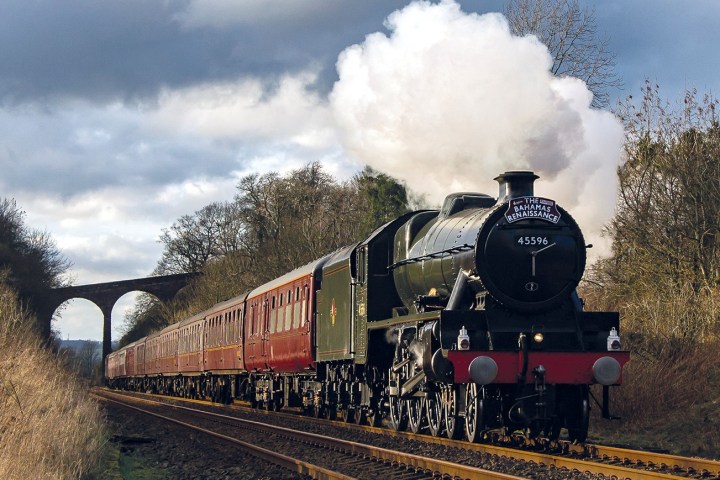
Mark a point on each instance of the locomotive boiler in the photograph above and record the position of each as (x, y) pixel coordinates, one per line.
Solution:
(460, 321)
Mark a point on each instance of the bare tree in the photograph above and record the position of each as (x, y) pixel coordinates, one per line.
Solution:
(193, 240)
(668, 219)
(571, 35)
(664, 272)
(31, 258)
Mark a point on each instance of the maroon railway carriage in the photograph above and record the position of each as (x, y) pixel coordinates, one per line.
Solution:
(152, 354)
(222, 346)
(223, 339)
(115, 366)
(279, 338)
(190, 347)
(139, 347)
(279, 330)
(168, 349)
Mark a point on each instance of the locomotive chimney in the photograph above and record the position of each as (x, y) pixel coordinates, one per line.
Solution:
(515, 184)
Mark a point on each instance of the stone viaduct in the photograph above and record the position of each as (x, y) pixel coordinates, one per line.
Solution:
(105, 295)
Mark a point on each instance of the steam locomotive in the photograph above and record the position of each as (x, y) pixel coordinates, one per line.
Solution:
(460, 321)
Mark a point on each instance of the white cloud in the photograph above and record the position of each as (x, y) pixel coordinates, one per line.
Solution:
(244, 110)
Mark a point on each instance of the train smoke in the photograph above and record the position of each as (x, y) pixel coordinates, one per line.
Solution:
(448, 100)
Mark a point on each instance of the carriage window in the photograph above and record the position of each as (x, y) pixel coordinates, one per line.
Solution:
(273, 321)
(303, 312)
(296, 315)
(241, 323)
(235, 327)
(288, 316)
(259, 316)
(252, 319)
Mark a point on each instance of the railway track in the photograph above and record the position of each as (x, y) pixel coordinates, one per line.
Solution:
(334, 458)
(587, 461)
(603, 461)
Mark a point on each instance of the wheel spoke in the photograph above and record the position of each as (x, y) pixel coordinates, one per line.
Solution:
(450, 407)
(416, 414)
(474, 413)
(434, 414)
(398, 410)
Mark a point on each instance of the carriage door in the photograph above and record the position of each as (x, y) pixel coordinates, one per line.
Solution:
(251, 338)
(265, 329)
(241, 335)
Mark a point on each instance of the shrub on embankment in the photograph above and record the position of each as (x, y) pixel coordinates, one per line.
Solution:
(49, 427)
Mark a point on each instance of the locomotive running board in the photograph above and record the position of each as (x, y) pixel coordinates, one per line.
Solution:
(398, 321)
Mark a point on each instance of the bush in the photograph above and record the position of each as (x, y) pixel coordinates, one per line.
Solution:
(50, 428)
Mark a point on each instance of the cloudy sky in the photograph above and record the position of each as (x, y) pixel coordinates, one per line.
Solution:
(117, 117)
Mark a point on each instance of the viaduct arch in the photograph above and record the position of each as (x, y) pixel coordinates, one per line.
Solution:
(105, 295)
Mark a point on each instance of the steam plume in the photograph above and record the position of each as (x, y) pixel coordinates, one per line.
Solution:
(449, 100)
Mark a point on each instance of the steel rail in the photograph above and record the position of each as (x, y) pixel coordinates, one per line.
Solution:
(443, 468)
(687, 464)
(557, 461)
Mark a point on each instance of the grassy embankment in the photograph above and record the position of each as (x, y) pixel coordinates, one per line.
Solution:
(670, 397)
(50, 428)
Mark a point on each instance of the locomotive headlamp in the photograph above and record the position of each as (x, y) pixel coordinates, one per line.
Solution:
(538, 337)
(463, 340)
(613, 340)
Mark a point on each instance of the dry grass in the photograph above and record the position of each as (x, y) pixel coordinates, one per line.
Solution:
(671, 404)
(657, 387)
(50, 429)
(670, 396)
